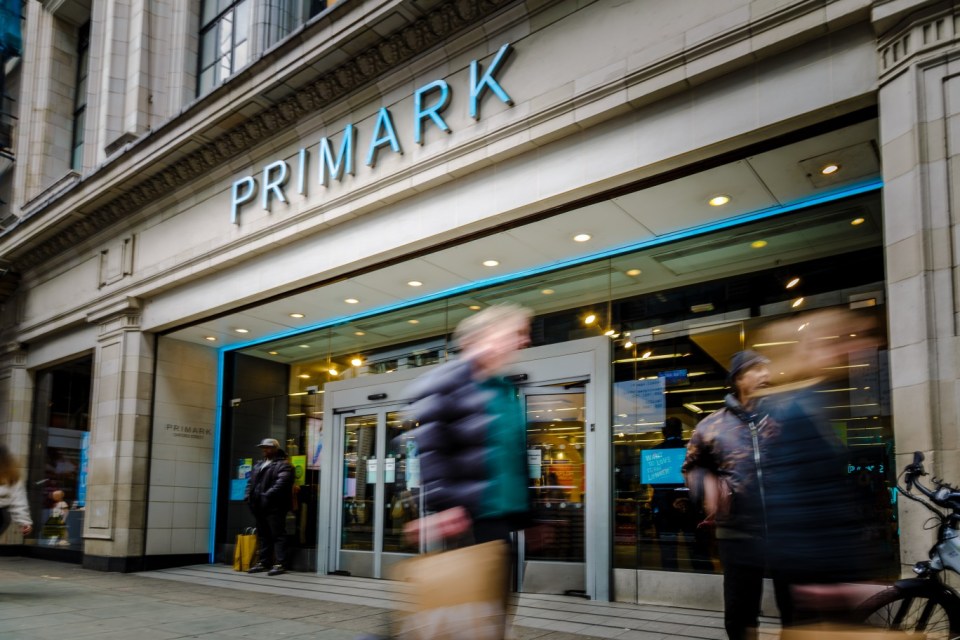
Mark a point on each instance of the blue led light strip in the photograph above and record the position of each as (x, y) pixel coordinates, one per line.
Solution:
(868, 186)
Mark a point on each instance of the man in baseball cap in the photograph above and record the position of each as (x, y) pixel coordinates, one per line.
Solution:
(270, 496)
(725, 456)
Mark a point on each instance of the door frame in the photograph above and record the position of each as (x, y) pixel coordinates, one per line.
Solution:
(589, 359)
(379, 493)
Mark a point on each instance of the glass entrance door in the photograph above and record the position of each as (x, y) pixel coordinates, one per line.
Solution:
(379, 491)
(552, 554)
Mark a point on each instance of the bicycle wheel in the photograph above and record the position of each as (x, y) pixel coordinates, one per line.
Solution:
(918, 613)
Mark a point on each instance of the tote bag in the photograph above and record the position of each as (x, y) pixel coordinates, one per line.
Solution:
(455, 595)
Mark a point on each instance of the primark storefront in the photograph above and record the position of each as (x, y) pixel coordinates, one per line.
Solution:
(657, 209)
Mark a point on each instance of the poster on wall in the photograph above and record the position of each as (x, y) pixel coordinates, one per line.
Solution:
(299, 464)
(314, 442)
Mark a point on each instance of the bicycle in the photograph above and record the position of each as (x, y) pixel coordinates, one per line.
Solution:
(924, 606)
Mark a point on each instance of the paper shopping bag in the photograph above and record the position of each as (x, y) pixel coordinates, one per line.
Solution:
(456, 595)
(244, 550)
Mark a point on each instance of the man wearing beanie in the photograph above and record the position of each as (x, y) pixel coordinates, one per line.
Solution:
(725, 464)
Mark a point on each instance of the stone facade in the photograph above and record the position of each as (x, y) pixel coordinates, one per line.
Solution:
(139, 239)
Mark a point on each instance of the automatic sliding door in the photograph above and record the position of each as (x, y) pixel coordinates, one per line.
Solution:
(379, 492)
(553, 554)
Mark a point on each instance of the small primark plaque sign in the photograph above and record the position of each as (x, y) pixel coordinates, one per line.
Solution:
(186, 434)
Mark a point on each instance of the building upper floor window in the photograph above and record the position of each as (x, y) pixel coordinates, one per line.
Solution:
(224, 40)
(80, 97)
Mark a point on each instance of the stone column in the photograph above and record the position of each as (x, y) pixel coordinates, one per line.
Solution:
(16, 403)
(115, 521)
(919, 105)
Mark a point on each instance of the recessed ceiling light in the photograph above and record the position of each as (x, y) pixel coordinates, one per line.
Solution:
(304, 375)
(719, 200)
(296, 315)
(304, 346)
(609, 332)
(830, 169)
(627, 344)
(590, 319)
(797, 303)
(359, 333)
(351, 301)
(273, 353)
(646, 354)
(655, 331)
(547, 292)
(242, 330)
(415, 283)
(356, 362)
(758, 244)
(857, 221)
(333, 372)
(581, 237)
(210, 338)
(491, 263)
(633, 273)
(793, 282)
(413, 321)
(474, 307)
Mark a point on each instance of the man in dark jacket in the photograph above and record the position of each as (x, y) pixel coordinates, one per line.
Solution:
(270, 495)
(726, 461)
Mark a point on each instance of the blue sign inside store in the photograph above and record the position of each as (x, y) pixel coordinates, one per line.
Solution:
(429, 103)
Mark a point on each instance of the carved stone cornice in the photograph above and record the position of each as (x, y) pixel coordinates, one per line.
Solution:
(390, 53)
(920, 29)
(116, 316)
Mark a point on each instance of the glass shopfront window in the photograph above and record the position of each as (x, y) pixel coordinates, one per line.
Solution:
(675, 313)
(58, 460)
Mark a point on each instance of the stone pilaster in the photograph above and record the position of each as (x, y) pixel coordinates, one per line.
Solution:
(919, 100)
(119, 438)
(16, 402)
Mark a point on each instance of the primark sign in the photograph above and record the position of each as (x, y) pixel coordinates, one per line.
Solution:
(279, 178)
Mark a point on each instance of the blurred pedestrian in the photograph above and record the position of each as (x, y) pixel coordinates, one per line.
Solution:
(471, 438)
(818, 535)
(270, 496)
(13, 496)
(726, 462)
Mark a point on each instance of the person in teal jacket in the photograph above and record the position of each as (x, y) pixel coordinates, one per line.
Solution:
(471, 438)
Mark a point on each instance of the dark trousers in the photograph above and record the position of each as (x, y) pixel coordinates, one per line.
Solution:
(272, 537)
(743, 572)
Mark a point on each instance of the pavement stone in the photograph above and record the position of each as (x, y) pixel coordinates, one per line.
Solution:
(45, 600)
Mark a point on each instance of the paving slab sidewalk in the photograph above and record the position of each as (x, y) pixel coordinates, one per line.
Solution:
(44, 600)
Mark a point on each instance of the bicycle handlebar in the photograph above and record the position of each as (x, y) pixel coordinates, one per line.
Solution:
(943, 496)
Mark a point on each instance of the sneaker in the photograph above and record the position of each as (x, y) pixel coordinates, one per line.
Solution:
(276, 570)
(257, 568)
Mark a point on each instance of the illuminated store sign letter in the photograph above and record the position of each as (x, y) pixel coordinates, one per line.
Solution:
(433, 112)
(236, 199)
(335, 168)
(487, 80)
(274, 186)
(302, 172)
(430, 101)
(383, 134)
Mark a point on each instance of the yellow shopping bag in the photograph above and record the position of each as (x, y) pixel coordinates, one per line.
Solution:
(244, 550)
